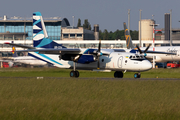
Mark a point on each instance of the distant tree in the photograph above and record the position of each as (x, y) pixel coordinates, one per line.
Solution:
(118, 34)
(89, 27)
(134, 35)
(79, 23)
(110, 35)
(86, 25)
(105, 35)
(159, 32)
(100, 35)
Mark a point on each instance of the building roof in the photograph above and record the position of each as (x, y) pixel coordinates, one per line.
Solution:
(27, 21)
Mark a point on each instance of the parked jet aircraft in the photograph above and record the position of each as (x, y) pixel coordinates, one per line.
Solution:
(104, 59)
(28, 60)
(161, 54)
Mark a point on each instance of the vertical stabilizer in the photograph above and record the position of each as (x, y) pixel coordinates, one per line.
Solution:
(129, 43)
(14, 53)
(40, 36)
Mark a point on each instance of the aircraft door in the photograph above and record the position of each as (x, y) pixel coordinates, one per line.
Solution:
(119, 63)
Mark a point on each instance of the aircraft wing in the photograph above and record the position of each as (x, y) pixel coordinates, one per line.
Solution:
(53, 51)
(159, 52)
(5, 60)
(153, 52)
(46, 50)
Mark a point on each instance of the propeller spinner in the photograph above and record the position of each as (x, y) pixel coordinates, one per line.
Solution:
(140, 51)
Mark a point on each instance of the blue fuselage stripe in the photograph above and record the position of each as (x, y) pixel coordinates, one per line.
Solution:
(44, 56)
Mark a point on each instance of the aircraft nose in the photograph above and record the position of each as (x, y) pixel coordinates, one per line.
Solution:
(146, 65)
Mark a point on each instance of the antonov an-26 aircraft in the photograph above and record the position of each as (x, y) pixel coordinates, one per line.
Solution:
(106, 59)
(161, 54)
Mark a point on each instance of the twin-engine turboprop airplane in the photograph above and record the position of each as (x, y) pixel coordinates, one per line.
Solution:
(102, 59)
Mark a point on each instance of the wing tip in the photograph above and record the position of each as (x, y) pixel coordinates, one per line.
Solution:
(6, 43)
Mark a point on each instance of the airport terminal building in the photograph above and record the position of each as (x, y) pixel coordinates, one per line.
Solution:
(20, 31)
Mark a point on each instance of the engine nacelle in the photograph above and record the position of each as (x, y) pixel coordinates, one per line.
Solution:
(85, 59)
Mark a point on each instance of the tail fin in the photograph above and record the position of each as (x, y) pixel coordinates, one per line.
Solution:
(14, 53)
(40, 36)
(129, 43)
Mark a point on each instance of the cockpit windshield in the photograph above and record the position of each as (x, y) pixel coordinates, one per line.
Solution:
(137, 57)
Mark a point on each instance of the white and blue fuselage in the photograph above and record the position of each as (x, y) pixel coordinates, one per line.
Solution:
(117, 61)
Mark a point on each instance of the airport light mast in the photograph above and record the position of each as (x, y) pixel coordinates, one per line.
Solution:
(154, 32)
(129, 20)
(73, 21)
(153, 40)
(140, 27)
(170, 27)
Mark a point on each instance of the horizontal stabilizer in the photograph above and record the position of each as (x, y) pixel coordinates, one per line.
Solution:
(18, 45)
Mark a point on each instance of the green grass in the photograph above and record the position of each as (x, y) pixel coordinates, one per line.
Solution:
(90, 99)
(56, 72)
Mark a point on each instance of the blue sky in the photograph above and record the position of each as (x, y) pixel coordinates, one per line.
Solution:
(109, 14)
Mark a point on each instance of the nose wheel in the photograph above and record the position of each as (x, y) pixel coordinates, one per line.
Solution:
(137, 75)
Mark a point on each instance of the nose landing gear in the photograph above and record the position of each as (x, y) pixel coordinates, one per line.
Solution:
(137, 75)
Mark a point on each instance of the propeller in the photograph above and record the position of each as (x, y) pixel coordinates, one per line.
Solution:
(140, 51)
(98, 54)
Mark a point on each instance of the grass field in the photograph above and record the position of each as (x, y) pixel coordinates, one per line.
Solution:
(87, 99)
(56, 72)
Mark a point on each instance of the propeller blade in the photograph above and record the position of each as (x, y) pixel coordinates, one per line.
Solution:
(147, 48)
(98, 63)
(99, 47)
(139, 49)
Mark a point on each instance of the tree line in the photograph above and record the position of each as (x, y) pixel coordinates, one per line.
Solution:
(105, 35)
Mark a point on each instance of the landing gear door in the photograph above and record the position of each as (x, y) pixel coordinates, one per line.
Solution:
(119, 63)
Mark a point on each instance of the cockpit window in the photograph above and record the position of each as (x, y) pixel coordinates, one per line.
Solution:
(136, 57)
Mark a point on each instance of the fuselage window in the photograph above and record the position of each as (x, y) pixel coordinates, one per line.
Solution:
(125, 61)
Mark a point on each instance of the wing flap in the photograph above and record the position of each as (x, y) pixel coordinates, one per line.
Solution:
(53, 51)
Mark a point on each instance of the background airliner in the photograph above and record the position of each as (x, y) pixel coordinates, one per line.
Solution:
(104, 59)
(28, 60)
(160, 54)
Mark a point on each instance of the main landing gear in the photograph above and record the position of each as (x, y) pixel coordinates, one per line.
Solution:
(74, 72)
(119, 74)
